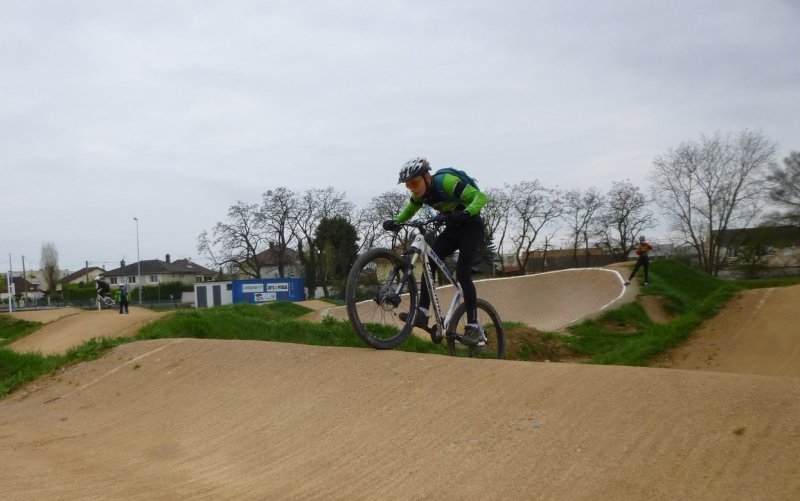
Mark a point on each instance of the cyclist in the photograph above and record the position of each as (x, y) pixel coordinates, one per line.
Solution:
(101, 287)
(459, 199)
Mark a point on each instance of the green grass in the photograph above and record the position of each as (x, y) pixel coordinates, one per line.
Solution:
(760, 283)
(626, 336)
(12, 329)
(273, 322)
(17, 369)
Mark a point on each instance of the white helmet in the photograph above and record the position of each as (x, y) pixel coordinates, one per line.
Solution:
(413, 168)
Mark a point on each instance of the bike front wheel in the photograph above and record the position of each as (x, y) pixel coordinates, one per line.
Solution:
(491, 327)
(379, 288)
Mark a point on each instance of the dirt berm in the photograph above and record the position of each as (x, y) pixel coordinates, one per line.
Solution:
(205, 419)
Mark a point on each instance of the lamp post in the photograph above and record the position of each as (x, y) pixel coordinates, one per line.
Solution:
(138, 262)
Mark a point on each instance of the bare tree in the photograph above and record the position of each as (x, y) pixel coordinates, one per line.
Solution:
(370, 219)
(533, 207)
(496, 216)
(277, 216)
(784, 190)
(237, 242)
(624, 216)
(49, 265)
(706, 186)
(314, 205)
(580, 211)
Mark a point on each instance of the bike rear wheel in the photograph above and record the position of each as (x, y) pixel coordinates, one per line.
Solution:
(492, 327)
(378, 290)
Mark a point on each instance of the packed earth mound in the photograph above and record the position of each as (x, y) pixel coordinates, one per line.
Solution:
(70, 327)
(546, 301)
(757, 333)
(188, 418)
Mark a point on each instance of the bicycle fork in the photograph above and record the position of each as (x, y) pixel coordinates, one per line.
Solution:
(439, 330)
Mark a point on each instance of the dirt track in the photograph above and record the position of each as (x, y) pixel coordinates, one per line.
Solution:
(70, 327)
(758, 333)
(214, 419)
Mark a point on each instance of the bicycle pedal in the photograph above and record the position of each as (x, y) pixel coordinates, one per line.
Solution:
(460, 339)
(435, 336)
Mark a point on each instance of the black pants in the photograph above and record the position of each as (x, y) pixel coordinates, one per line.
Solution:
(123, 305)
(465, 238)
(644, 262)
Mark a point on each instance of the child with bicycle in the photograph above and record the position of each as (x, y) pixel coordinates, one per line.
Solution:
(457, 197)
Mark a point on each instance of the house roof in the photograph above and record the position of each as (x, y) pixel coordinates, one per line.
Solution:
(21, 285)
(270, 257)
(769, 235)
(157, 266)
(83, 272)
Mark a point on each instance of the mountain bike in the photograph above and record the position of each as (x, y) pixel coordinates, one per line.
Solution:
(382, 284)
(102, 301)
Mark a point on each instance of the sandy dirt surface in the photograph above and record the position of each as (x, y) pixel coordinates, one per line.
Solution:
(73, 329)
(757, 333)
(45, 316)
(208, 419)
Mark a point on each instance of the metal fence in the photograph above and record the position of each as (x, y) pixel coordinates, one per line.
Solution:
(91, 304)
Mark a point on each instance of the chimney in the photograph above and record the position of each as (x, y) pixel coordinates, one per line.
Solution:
(168, 259)
(122, 264)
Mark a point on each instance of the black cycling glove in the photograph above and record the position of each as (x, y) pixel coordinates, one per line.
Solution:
(457, 216)
(391, 225)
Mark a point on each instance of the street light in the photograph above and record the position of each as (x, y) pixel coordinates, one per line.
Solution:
(138, 262)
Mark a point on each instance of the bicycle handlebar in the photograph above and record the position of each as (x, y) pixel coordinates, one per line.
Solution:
(437, 220)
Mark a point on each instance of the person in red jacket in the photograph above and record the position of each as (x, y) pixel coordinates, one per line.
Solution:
(642, 249)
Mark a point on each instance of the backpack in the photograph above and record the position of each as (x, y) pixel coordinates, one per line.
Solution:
(460, 174)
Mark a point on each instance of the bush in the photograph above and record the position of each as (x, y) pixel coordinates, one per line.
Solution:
(78, 292)
(161, 292)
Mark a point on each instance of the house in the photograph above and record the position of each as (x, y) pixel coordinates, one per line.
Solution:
(156, 271)
(268, 261)
(763, 251)
(23, 288)
(82, 276)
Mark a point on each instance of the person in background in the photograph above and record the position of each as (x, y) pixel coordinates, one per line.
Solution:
(123, 297)
(642, 249)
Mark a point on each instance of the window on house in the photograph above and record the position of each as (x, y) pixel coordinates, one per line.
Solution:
(132, 279)
(153, 279)
(730, 251)
(113, 280)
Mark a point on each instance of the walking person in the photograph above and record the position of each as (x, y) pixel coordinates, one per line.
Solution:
(642, 249)
(455, 195)
(123, 297)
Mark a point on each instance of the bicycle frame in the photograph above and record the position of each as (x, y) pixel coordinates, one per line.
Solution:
(420, 247)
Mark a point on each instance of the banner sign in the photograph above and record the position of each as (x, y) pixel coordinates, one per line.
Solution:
(252, 287)
(259, 291)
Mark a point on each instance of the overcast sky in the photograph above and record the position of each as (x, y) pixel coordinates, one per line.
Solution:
(171, 111)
